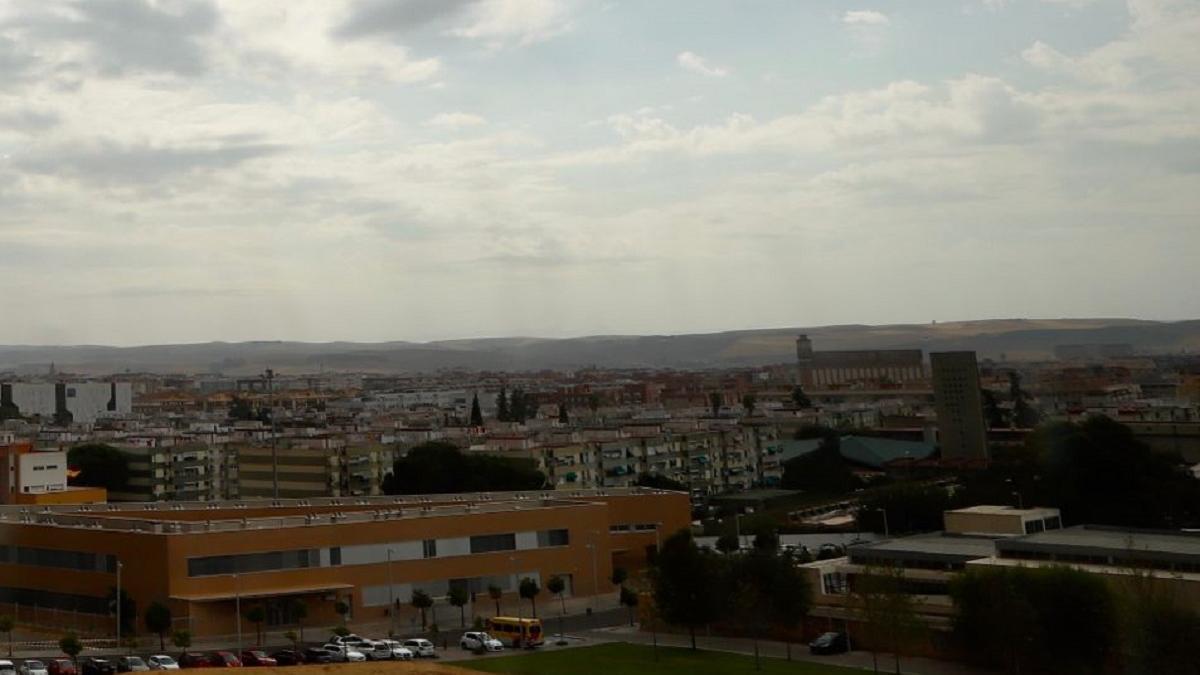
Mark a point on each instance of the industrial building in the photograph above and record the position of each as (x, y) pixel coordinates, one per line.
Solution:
(66, 402)
(59, 563)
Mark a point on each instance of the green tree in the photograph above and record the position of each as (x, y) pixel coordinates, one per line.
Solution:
(502, 412)
(714, 403)
(790, 596)
(683, 578)
(342, 609)
(7, 624)
(458, 597)
(996, 419)
(158, 621)
(518, 406)
(182, 639)
(618, 576)
(629, 599)
(766, 540)
(728, 543)
(800, 399)
(749, 402)
(421, 601)
(70, 645)
(563, 417)
(293, 638)
(822, 471)
(495, 593)
(888, 611)
(257, 615)
(128, 610)
(441, 468)
(910, 507)
(99, 465)
(529, 590)
(476, 412)
(556, 585)
(1024, 415)
(299, 611)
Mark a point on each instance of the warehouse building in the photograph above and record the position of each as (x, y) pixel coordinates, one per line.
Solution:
(201, 559)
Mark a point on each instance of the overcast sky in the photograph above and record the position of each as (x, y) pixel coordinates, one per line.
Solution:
(183, 171)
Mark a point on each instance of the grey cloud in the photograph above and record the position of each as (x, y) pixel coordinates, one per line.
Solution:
(109, 163)
(380, 17)
(13, 62)
(28, 120)
(132, 35)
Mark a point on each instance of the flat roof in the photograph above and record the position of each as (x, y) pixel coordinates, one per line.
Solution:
(999, 510)
(1086, 539)
(933, 546)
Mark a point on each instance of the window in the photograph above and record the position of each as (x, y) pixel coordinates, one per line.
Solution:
(335, 556)
(487, 543)
(553, 538)
(1053, 523)
(429, 548)
(254, 562)
(834, 584)
(1034, 526)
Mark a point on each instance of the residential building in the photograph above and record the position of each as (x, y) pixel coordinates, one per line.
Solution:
(958, 399)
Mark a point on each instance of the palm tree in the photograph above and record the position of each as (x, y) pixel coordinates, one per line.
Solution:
(529, 590)
(495, 593)
(6, 626)
(299, 611)
(257, 615)
(556, 585)
(458, 597)
(422, 601)
(158, 620)
(630, 600)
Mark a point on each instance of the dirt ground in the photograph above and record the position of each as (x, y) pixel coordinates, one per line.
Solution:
(368, 668)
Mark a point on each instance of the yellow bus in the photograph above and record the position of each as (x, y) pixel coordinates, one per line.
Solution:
(516, 632)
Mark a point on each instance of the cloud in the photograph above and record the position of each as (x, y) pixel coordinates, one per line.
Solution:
(390, 16)
(110, 163)
(455, 120)
(865, 17)
(698, 64)
(868, 28)
(498, 22)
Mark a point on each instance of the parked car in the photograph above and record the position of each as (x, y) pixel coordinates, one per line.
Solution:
(375, 650)
(480, 641)
(61, 667)
(350, 639)
(224, 660)
(257, 658)
(830, 643)
(399, 651)
(288, 657)
(162, 662)
(98, 666)
(345, 653)
(131, 664)
(33, 667)
(194, 661)
(317, 655)
(421, 648)
(7, 667)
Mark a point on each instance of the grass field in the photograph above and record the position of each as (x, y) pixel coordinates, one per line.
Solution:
(625, 659)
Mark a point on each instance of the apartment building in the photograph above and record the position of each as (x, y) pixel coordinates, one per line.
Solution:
(307, 472)
(167, 472)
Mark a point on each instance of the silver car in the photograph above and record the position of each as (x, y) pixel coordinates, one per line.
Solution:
(33, 667)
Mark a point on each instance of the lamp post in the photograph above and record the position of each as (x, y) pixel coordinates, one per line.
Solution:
(737, 524)
(595, 578)
(237, 608)
(1020, 500)
(517, 583)
(391, 596)
(886, 532)
(119, 566)
(658, 537)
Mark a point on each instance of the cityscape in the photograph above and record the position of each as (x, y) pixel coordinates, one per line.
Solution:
(597, 337)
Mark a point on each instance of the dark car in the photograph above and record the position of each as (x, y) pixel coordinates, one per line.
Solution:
(318, 655)
(224, 660)
(257, 658)
(194, 661)
(98, 667)
(288, 657)
(830, 643)
(60, 667)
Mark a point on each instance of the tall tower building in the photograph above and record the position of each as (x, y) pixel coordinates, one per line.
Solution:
(804, 360)
(959, 403)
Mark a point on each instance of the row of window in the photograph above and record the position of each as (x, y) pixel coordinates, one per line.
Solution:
(633, 527)
(66, 602)
(48, 557)
(373, 553)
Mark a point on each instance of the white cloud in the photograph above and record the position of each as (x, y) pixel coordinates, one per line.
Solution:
(522, 21)
(698, 64)
(868, 29)
(455, 120)
(865, 17)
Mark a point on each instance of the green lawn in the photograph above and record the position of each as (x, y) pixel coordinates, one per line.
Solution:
(626, 659)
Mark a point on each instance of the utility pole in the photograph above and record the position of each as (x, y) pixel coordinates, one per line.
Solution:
(270, 375)
(119, 566)
(237, 608)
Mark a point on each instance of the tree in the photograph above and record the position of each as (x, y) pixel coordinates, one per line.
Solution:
(7, 624)
(1024, 415)
(996, 419)
(99, 465)
(714, 402)
(529, 590)
(910, 507)
(476, 412)
(822, 471)
(70, 645)
(563, 418)
(749, 402)
(766, 540)
(240, 410)
(518, 405)
(495, 593)
(441, 468)
(629, 599)
(158, 621)
(182, 639)
(299, 611)
(888, 611)
(421, 601)
(459, 598)
(257, 615)
(128, 611)
(502, 413)
(800, 399)
(728, 543)
(293, 638)
(556, 585)
(619, 575)
(789, 596)
(683, 578)
(659, 482)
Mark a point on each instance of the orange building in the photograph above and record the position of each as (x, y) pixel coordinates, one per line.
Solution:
(372, 553)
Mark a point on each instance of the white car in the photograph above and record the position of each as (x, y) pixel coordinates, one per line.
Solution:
(346, 653)
(351, 640)
(399, 651)
(420, 647)
(162, 662)
(33, 667)
(7, 668)
(475, 641)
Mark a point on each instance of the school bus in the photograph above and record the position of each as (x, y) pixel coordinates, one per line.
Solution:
(516, 632)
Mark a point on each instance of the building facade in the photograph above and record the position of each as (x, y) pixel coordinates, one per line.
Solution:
(958, 400)
(832, 369)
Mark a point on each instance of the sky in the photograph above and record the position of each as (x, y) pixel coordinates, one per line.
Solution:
(194, 170)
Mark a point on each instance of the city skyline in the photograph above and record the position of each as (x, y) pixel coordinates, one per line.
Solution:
(185, 171)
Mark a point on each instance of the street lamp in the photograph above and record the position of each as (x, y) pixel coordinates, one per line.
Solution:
(517, 582)
(119, 566)
(237, 608)
(595, 578)
(886, 532)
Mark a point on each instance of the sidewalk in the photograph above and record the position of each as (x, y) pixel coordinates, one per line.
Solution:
(887, 664)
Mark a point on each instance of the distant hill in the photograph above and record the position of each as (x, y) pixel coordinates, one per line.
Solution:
(1017, 339)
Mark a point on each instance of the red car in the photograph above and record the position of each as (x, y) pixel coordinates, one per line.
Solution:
(60, 667)
(194, 661)
(257, 658)
(225, 660)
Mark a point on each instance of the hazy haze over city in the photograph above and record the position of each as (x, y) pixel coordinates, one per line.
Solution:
(180, 171)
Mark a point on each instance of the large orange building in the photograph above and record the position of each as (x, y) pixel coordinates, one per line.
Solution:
(202, 558)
